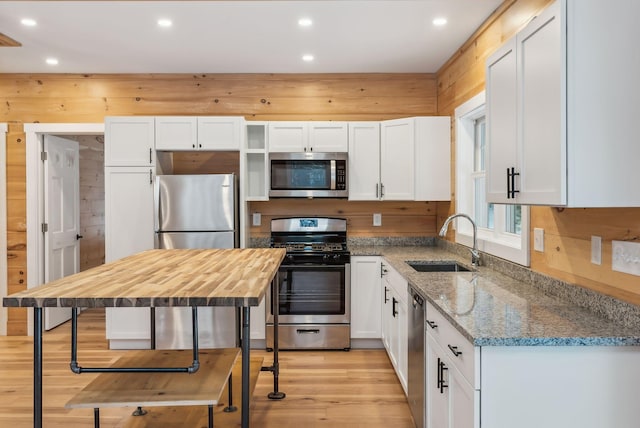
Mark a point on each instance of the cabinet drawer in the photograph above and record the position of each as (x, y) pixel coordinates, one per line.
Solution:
(398, 283)
(461, 352)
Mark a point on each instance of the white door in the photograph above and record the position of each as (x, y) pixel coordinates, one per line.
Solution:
(62, 217)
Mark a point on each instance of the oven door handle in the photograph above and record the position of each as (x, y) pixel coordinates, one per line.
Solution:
(312, 267)
(308, 331)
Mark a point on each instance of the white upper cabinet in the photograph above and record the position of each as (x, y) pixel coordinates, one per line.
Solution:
(213, 133)
(328, 137)
(129, 141)
(561, 127)
(364, 161)
(308, 137)
(220, 133)
(397, 152)
(176, 133)
(415, 158)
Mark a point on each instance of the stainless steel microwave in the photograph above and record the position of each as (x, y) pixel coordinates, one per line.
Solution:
(308, 175)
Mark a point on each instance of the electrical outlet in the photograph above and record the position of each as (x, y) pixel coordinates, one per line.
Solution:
(377, 219)
(257, 219)
(538, 239)
(596, 250)
(625, 257)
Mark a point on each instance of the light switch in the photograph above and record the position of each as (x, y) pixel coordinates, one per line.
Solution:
(257, 219)
(377, 219)
(538, 239)
(596, 250)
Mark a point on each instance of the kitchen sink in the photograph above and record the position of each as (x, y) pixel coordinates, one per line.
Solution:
(437, 266)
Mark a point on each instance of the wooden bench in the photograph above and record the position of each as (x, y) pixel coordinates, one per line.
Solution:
(203, 387)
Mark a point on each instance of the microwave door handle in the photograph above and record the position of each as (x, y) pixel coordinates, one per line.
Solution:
(333, 174)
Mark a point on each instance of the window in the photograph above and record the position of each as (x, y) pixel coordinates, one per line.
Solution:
(503, 230)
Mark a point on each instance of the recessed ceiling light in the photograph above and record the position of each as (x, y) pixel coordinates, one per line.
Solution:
(52, 61)
(307, 58)
(305, 22)
(439, 22)
(165, 23)
(28, 22)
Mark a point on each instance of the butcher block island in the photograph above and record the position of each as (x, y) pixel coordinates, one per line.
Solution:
(211, 277)
(160, 278)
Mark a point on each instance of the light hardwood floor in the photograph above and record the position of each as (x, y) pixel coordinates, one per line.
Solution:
(324, 388)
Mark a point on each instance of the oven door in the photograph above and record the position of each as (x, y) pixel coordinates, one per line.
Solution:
(312, 294)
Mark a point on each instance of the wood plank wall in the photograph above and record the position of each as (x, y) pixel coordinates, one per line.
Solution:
(79, 98)
(567, 232)
(398, 218)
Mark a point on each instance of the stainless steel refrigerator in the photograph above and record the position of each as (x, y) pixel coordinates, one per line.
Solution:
(196, 211)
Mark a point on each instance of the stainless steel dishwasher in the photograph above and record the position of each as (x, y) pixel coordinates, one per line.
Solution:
(416, 358)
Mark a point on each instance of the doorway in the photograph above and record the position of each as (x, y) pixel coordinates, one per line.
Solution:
(91, 181)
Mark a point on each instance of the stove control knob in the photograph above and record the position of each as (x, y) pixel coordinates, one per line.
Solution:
(326, 257)
(290, 257)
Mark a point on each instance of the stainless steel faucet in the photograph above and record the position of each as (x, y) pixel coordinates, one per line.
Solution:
(475, 255)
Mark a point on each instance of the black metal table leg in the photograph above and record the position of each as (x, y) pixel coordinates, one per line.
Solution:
(245, 366)
(96, 417)
(275, 395)
(37, 367)
(210, 416)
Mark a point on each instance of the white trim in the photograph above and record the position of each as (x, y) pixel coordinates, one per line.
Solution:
(3, 226)
(496, 242)
(35, 204)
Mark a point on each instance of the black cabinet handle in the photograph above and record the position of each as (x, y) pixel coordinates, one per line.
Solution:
(79, 237)
(150, 176)
(386, 299)
(441, 382)
(454, 350)
(393, 307)
(511, 183)
(432, 324)
(150, 155)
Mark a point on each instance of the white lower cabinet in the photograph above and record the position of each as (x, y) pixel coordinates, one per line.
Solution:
(451, 363)
(128, 230)
(395, 333)
(526, 386)
(366, 311)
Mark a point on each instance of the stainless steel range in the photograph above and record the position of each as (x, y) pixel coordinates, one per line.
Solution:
(314, 288)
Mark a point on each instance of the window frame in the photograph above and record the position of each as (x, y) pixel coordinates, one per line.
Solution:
(494, 241)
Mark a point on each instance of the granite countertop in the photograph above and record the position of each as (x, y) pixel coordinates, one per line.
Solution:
(493, 309)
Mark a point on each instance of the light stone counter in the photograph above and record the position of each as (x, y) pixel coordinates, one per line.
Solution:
(493, 309)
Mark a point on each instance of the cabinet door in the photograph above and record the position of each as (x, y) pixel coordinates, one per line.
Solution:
(463, 402)
(542, 149)
(397, 159)
(328, 137)
(219, 133)
(433, 158)
(288, 137)
(386, 310)
(129, 225)
(128, 230)
(437, 387)
(364, 161)
(129, 141)
(366, 313)
(402, 318)
(501, 110)
(176, 133)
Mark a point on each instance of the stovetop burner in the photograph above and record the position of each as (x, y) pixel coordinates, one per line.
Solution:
(311, 240)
